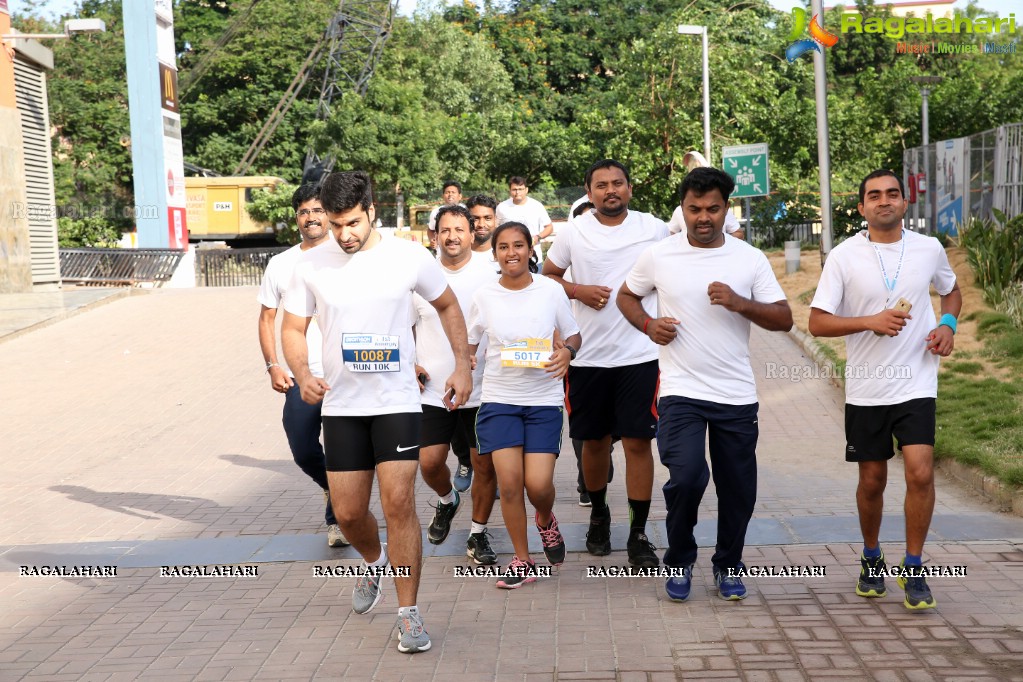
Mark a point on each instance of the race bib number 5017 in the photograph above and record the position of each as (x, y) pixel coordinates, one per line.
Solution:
(532, 353)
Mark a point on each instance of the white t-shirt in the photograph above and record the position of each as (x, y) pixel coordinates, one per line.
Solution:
(365, 305)
(604, 255)
(885, 370)
(276, 279)
(431, 222)
(532, 214)
(488, 258)
(709, 359)
(678, 223)
(507, 320)
(433, 350)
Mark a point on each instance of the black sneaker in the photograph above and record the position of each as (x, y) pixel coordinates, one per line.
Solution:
(598, 537)
(553, 543)
(441, 524)
(584, 499)
(871, 582)
(478, 548)
(641, 551)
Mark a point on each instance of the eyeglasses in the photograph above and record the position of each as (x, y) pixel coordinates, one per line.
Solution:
(310, 211)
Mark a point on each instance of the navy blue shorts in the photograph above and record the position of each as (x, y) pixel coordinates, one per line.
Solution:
(534, 429)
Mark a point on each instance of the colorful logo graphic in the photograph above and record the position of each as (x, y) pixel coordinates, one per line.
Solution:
(817, 32)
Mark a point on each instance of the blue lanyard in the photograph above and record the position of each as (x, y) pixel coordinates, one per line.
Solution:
(889, 284)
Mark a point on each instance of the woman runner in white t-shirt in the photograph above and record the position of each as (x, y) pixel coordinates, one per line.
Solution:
(520, 419)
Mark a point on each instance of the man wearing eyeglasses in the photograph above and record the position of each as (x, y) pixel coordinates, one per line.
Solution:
(301, 420)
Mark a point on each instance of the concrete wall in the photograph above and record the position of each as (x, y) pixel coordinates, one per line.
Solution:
(15, 251)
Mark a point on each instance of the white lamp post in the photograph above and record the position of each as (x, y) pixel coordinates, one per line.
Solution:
(691, 30)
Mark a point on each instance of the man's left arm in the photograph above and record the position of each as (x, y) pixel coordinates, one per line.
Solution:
(453, 321)
(941, 340)
(546, 231)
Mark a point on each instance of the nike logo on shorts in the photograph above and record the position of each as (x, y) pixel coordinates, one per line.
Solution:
(401, 449)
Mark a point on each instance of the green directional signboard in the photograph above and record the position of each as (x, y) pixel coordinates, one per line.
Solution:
(747, 164)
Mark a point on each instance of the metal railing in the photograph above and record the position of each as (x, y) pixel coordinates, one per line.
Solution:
(123, 267)
(232, 267)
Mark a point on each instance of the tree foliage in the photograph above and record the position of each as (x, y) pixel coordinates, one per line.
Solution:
(540, 88)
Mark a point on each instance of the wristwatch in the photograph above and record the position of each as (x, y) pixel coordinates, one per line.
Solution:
(571, 351)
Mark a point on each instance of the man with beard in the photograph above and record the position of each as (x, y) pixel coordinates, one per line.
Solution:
(612, 383)
(362, 293)
(483, 209)
(301, 420)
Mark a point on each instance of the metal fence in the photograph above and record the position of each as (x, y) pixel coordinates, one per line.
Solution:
(123, 267)
(985, 171)
(232, 267)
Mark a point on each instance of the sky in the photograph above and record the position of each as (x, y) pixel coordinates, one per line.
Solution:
(1002, 7)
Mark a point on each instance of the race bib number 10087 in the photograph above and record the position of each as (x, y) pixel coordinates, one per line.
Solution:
(370, 352)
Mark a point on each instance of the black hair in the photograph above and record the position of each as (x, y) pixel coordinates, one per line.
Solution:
(452, 183)
(582, 208)
(512, 225)
(606, 163)
(880, 173)
(699, 181)
(303, 194)
(517, 180)
(457, 210)
(481, 200)
(344, 191)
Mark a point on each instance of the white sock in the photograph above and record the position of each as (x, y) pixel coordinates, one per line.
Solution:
(382, 559)
(408, 611)
(477, 528)
(449, 498)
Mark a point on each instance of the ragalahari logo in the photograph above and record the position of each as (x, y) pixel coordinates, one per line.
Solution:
(817, 33)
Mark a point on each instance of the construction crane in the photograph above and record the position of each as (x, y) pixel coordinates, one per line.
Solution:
(352, 44)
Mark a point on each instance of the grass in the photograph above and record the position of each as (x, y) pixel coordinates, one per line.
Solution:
(980, 417)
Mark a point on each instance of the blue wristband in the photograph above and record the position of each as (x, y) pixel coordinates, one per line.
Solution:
(949, 320)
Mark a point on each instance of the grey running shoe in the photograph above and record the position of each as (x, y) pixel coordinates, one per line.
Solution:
(367, 593)
(412, 634)
(335, 538)
(463, 478)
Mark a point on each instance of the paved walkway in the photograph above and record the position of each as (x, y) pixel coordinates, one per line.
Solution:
(143, 433)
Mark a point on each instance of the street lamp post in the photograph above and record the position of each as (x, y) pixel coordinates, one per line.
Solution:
(691, 30)
(929, 200)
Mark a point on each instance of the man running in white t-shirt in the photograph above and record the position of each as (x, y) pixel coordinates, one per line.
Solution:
(522, 208)
(870, 284)
(362, 293)
(301, 420)
(483, 210)
(451, 195)
(710, 288)
(465, 274)
(612, 383)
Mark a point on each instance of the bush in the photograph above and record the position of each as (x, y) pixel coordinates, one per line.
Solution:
(1012, 304)
(274, 206)
(994, 250)
(93, 231)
